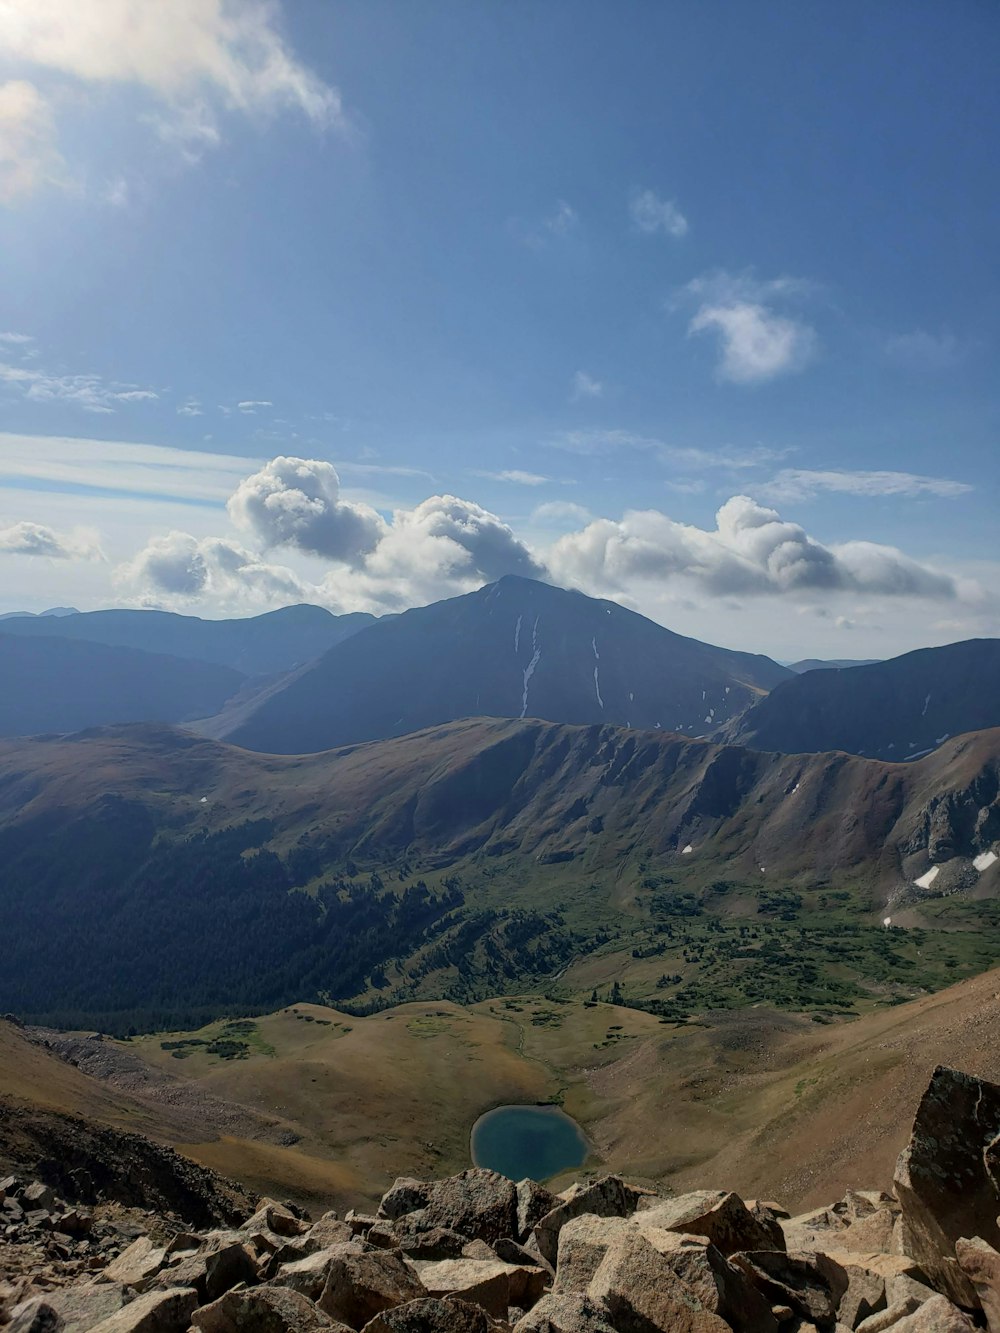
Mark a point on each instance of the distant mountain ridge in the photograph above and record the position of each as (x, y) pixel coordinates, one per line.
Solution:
(515, 648)
(893, 710)
(253, 645)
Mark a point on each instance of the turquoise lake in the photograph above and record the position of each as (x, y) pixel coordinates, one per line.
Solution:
(534, 1141)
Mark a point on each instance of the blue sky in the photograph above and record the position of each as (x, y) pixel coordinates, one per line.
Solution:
(549, 286)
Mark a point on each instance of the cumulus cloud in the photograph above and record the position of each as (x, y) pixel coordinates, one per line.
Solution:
(178, 568)
(192, 58)
(37, 539)
(651, 214)
(801, 484)
(757, 341)
(296, 502)
(752, 550)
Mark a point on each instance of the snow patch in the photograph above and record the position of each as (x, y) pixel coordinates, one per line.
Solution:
(204, 800)
(941, 739)
(925, 881)
(923, 711)
(517, 633)
(529, 670)
(686, 851)
(984, 860)
(597, 670)
(631, 697)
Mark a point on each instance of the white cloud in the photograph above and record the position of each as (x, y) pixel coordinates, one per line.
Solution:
(758, 342)
(585, 386)
(89, 392)
(920, 350)
(651, 214)
(28, 153)
(752, 550)
(36, 539)
(113, 465)
(192, 408)
(515, 476)
(178, 568)
(559, 225)
(16, 339)
(797, 484)
(596, 443)
(192, 58)
(296, 502)
(560, 513)
(250, 405)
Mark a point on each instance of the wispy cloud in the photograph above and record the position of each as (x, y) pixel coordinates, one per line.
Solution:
(16, 339)
(194, 62)
(185, 475)
(608, 442)
(920, 350)
(515, 476)
(586, 386)
(192, 408)
(562, 223)
(252, 405)
(89, 392)
(652, 215)
(800, 484)
(757, 341)
(560, 514)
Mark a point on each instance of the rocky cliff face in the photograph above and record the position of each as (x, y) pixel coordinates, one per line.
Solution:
(477, 1253)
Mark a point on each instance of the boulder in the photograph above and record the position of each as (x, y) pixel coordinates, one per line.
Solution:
(34, 1316)
(948, 1177)
(812, 1284)
(430, 1315)
(981, 1265)
(511, 1252)
(892, 1314)
(361, 1284)
(429, 1242)
(583, 1243)
(137, 1264)
(212, 1273)
(276, 1218)
(723, 1218)
(405, 1195)
(155, 1312)
(308, 1275)
(264, 1310)
(328, 1230)
(533, 1202)
(480, 1204)
(73, 1309)
(938, 1315)
(489, 1283)
(719, 1285)
(38, 1196)
(865, 1296)
(565, 1312)
(608, 1196)
(874, 1232)
(643, 1294)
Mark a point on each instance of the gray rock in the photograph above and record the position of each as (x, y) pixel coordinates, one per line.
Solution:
(430, 1315)
(137, 1264)
(35, 1316)
(608, 1196)
(264, 1310)
(405, 1195)
(719, 1285)
(212, 1273)
(722, 1217)
(812, 1284)
(583, 1243)
(565, 1312)
(948, 1177)
(480, 1204)
(938, 1315)
(359, 1285)
(155, 1312)
(981, 1265)
(892, 1314)
(642, 1293)
(488, 1283)
(533, 1202)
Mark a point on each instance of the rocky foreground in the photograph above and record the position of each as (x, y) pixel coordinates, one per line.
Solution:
(478, 1254)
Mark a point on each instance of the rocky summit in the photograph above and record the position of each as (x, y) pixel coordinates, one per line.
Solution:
(479, 1253)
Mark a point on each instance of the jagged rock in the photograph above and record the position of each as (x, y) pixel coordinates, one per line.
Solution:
(37, 1195)
(155, 1312)
(608, 1196)
(901, 1286)
(885, 1266)
(211, 1273)
(857, 1204)
(405, 1195)
(308, 1275)
(865, 1296)
(477, 1249)
(948, 1177)
(981, 1265)
(264, 1310)
(723, 1218)
(873, 1232)
(892, 1314)
(137, 1264)
(812, 1284)
(359, 1222)
(276, 1218)
(430, 1315)
(289, 1253)
(480, 1204)
(78, 1308)
(642, 1294)
(35, 1316)
(359, 1285)
(328, 1230)
(583, 1243)
(938, 1315)
(429, 1243)
(511, 1252)
(719, 1285)
(565, 1312)
(533, 1202)
(489, 1283)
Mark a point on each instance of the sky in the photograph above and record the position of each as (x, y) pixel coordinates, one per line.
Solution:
(367, 303)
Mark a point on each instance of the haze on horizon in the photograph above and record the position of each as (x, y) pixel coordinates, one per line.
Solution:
(367, 304)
